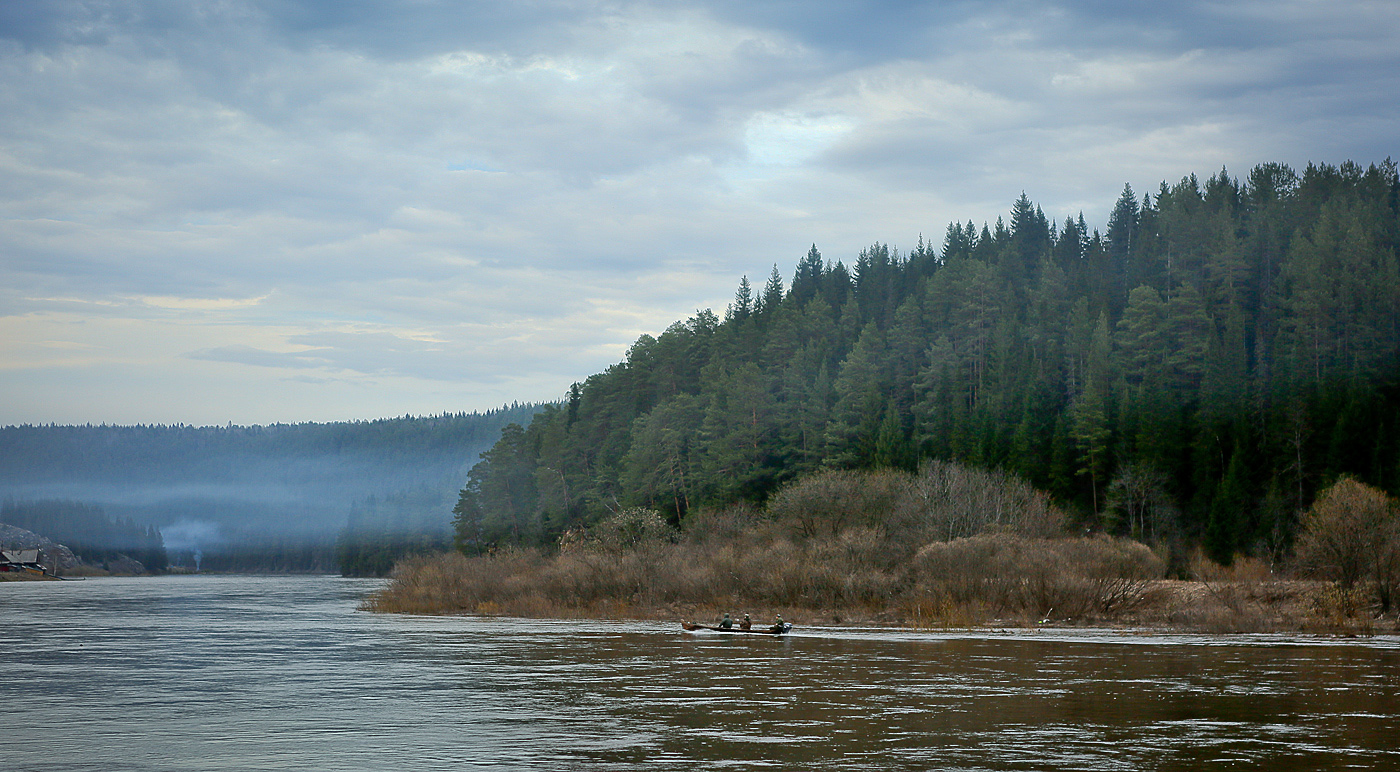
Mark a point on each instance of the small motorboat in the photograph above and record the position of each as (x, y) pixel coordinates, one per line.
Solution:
(756, 630)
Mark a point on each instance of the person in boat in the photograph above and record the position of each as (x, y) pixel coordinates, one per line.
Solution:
(778, 625)
(746, 624)
(726, 623)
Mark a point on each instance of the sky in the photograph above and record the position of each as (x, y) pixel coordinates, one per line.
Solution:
(259, 211)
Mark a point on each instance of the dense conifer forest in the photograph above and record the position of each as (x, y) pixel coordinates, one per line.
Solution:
(349, 495)
(1195, 372)
(93, 537)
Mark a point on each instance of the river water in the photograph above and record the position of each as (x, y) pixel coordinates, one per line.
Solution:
(273, 673)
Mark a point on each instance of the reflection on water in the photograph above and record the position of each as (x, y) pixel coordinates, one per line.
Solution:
(237, 673)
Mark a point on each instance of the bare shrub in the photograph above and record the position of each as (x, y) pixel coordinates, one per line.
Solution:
(899, 511)
(1019, 575)
(1352, 533)
(730, 523)
(1117, 572)
(828, 503)
(618, 557)
(951, 501)
(1341, 609)
(622, 531)
(1109, 557)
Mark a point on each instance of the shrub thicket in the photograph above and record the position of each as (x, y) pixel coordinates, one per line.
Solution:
(843, 542)
(1352, 534)
(1059, 578)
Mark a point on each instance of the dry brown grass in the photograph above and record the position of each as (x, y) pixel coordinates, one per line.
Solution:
(1029, 579)
(25, 576)
(846, 576)
(965, 583)
(949, 547)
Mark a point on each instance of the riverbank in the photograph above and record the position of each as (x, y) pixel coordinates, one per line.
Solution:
(676, 584)
(948, 549)
(26, 576)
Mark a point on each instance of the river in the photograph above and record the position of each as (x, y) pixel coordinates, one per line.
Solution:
(283, 673)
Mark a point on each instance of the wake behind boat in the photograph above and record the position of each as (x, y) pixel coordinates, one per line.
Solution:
(772, 630)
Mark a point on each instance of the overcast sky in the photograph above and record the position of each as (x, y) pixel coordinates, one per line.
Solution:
(264, 210)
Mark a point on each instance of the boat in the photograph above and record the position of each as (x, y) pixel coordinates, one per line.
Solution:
(769, 630)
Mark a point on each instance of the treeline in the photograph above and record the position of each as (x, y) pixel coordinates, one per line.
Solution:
(262, 553)
(108, 453)
(380, 531)
(1194, 372)
(262, 498)
(93, 537)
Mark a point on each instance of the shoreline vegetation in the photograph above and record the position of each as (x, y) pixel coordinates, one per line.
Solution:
(1199, 405)
(948, 548)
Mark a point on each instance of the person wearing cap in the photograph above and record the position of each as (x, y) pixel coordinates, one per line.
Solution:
(778, 625)
(746, 624)
(726, 623)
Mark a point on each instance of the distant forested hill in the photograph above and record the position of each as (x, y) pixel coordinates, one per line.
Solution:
(260, 497)
(1218, 352)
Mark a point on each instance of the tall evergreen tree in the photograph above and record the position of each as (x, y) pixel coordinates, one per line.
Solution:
(1239, 339)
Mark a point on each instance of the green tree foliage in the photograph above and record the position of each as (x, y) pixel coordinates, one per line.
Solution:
(1192, 373)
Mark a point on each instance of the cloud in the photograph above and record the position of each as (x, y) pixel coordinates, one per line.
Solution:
(260, 210)
(248, 355)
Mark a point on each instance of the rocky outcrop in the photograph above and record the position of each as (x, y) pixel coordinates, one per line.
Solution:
(124, 566)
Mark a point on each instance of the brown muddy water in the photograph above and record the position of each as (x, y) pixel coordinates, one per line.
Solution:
(278, 673)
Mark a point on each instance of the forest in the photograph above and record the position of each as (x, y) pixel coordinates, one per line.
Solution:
(346, 496)
(94, 538)
(1192, 374)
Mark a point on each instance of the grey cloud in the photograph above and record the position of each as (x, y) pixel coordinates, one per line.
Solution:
(494, 199)
(248, 355)
(463, 357)
(409, 29)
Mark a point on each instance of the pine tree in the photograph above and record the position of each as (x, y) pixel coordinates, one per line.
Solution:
(772, 294)
(743, 305)
(806, 282)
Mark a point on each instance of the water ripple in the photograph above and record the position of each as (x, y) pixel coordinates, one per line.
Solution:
(283, 673)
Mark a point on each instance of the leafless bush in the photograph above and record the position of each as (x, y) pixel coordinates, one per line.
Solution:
(952, 501)
(1020, 575)
(1341, 609)
(725, 524)
(943, 501)
(624, 531)
(828, 503)
(1350, 534)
